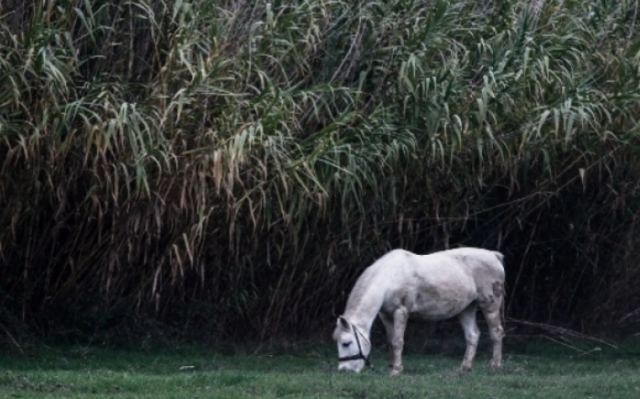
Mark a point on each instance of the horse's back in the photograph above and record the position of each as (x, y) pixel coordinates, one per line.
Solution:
(481, 262)
(477, 263)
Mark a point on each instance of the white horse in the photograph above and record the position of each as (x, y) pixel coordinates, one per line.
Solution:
(434, 287)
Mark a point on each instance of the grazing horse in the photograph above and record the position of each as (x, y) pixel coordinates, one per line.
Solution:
(437, 286)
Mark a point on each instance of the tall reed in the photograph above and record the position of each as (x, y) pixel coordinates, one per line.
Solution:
(228, 166)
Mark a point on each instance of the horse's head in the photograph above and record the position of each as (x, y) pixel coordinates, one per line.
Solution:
(353, 346)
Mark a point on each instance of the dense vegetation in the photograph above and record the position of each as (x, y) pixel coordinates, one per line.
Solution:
(229, 167)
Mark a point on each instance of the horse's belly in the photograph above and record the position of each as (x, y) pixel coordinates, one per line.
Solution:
(441, 303)
(440, 309)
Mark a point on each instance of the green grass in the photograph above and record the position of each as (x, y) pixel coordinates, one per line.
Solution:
(534, 371)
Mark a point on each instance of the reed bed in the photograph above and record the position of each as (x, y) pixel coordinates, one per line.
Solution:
(227, 168)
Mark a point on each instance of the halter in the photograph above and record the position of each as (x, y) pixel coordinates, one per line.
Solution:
(360, 355)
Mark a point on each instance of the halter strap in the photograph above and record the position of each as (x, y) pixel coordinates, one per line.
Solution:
(360, 355)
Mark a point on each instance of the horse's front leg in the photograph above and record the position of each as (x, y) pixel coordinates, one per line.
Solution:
(400, 317)
(387, 322)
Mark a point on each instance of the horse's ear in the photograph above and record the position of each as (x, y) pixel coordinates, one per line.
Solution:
(343, 323)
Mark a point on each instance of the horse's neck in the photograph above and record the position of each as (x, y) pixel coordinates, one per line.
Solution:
(363, 307)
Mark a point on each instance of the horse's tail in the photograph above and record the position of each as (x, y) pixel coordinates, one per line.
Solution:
(503, 315)
(500, 257)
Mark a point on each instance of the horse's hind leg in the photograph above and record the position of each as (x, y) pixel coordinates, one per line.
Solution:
(493, 317)
(471, 335)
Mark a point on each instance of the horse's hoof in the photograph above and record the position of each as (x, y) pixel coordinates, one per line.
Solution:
(495, 366)
(395, 371)
(464, 369)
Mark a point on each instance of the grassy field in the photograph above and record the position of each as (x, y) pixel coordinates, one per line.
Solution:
(533, 371)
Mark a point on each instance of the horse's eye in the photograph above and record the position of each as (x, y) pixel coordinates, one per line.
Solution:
(346, 344)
